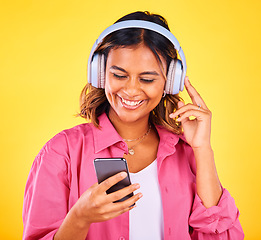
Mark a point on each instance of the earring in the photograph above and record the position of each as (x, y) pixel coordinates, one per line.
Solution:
(164, 94)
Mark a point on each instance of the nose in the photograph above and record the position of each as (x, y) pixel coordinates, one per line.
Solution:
(132, 87)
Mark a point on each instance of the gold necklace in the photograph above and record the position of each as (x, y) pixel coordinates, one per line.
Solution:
(131, 149)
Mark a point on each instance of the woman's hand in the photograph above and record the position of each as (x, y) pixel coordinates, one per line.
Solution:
(196, 131)
(95, 205)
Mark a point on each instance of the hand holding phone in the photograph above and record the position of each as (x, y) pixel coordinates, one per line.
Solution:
(95, 205)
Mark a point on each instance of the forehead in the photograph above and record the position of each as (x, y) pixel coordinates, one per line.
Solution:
(138, 57)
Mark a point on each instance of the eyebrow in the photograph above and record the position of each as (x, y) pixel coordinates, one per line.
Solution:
(150, 73)
(118, 68)
(143, 73)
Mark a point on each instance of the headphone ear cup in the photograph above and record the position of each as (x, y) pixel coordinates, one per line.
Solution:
(174, 76)
(101, 69)
(97, 71)
(94, 71)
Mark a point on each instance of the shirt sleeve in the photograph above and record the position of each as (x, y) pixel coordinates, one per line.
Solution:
(217, 222)
(47, 191)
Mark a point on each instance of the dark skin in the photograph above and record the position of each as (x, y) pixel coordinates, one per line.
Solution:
(148, 148)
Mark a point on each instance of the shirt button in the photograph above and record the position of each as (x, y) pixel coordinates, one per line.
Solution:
(121, 238)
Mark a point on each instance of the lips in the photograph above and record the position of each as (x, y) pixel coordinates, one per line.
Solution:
(131, 104)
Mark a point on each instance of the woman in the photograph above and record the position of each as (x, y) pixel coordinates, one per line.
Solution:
(177, 193)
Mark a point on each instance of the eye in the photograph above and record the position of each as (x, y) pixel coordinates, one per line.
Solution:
(119, 76)
(145, 80)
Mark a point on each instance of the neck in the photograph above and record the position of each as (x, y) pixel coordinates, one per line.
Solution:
(130, 130)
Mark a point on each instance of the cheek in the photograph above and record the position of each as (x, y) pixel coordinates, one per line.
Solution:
(156, 91)
(110, 87)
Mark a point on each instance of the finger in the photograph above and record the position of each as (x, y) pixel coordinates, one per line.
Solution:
(185, 108)
(112, 210)
(190, 113)
(116, 214)
(180, 104)
(127, 209)
(119, 206)
(112, 197)
(109, 182)
(194, 95)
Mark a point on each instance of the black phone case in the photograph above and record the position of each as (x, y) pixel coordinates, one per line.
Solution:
(107, 167)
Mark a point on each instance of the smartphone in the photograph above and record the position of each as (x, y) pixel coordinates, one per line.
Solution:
(107, 167)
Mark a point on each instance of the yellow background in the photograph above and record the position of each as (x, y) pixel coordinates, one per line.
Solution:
(44, 46)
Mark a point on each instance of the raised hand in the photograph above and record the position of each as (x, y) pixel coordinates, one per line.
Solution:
(197, 131)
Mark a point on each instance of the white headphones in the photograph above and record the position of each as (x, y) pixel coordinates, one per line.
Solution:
(177, 68)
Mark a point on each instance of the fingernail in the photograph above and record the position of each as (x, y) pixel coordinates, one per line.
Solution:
(178, 119)
(131, 207)
(123, 174)
(136, 186)
(140, 195)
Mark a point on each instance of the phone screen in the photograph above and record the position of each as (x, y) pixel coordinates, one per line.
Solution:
(107, 167)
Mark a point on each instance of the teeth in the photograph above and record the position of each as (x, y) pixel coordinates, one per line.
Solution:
(131, 103)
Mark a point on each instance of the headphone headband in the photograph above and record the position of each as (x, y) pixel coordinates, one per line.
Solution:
(145, 25)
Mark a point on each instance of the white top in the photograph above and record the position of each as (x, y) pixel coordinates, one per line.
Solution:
(146, 219)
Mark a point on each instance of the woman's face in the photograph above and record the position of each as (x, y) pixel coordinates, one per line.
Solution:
(134, 82)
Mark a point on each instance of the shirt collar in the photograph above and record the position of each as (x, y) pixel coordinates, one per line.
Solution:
(166, 135)
(106, 135)
(168, 141)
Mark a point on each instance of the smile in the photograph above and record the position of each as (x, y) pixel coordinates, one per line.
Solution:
(130, 104)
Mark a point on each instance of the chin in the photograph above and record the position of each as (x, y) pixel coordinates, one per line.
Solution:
(128, 117)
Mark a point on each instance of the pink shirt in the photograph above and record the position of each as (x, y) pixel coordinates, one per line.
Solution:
(64, 169)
